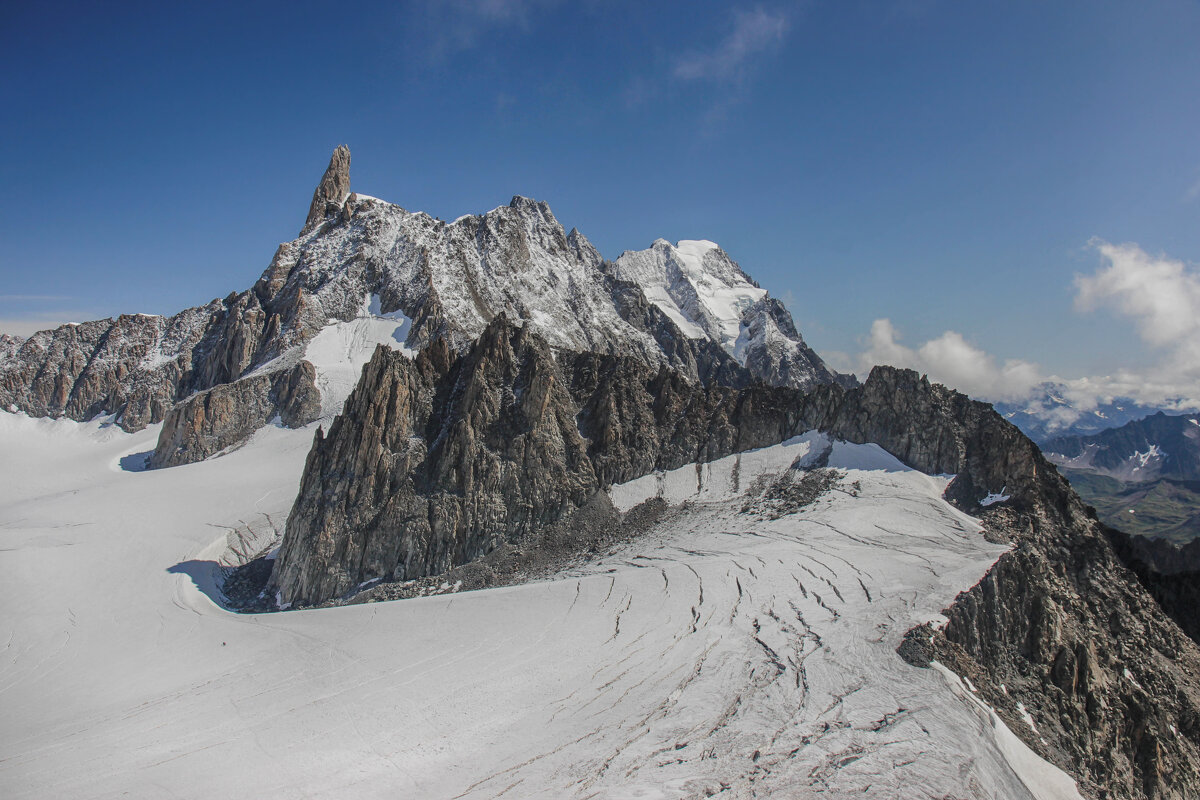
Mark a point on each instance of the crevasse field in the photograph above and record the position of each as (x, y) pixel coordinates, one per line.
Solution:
(723, 651)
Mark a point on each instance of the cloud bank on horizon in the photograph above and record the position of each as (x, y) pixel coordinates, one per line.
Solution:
(1159, 294)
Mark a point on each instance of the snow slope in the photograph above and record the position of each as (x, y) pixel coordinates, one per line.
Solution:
(341, 349)
(695, 284)
(723, 650)
(700, 288)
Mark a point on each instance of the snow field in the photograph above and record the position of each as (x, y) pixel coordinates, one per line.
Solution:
(720, 651)
(341, 349)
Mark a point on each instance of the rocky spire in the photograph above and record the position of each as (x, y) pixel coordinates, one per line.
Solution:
(332, 190)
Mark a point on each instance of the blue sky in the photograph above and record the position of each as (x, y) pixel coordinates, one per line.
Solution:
(946, 166)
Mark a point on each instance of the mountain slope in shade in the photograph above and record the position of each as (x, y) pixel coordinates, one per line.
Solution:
(1164, 509)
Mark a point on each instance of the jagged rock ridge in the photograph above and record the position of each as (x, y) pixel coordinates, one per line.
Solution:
(437, 460)
(1059, 636)
(450, 278)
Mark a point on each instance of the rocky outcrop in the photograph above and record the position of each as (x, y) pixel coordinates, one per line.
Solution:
(433, 462)
(1059, 636)
(226, 415)
(437, 461)
(938, 431)
(138, 366)
(1085, 666)
(9, 345)
(132, 366)
(332, 191)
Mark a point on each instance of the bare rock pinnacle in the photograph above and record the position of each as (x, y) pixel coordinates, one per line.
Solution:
(332, 190)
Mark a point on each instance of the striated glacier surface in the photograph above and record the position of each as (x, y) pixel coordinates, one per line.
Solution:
(726, 652)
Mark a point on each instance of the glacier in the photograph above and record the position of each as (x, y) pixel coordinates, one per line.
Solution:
(722, 652)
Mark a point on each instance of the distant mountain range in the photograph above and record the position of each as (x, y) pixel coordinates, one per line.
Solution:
(1049, 413)
(1158, 446)
(1142, 477)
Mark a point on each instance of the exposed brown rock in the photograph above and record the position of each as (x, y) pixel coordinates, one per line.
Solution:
(331, 192)
(227, 414)
(9, 345)
(437, 461)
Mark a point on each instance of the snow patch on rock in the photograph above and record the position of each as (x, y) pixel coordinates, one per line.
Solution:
(341, 349)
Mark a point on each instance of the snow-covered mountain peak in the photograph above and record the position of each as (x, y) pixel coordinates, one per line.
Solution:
(687, 306)
(696, 284)
(707, 295)
(452, 278)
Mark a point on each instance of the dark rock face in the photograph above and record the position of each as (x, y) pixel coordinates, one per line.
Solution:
(227, 414)
(938, 431)
(1170, 574)
(438, 461)
(1159, 555)
(332, 191)
(1112, 684)
(435, 462)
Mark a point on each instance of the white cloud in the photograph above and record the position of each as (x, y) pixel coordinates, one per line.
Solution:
(952, 360)
(754, 32)
(1161, 295)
